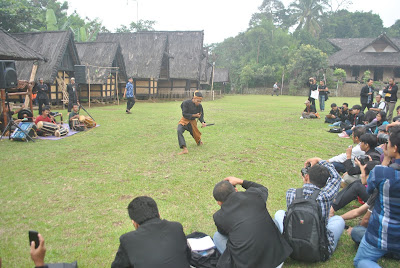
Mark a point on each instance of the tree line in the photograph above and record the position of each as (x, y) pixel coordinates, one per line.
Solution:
(289, 43)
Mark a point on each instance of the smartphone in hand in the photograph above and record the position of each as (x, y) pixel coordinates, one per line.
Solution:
(33, 236)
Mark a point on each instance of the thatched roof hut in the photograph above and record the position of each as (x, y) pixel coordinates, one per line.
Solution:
(142, 52)
(57, 46)
(101, 54)
(380, 55)
(13, 49)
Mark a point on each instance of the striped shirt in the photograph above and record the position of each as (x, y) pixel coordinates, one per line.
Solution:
(325, 197)
(383, 230)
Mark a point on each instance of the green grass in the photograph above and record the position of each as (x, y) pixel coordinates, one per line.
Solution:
(75, 191)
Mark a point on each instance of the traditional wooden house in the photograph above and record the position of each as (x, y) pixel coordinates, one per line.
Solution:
(381, 56)
(221, 76)
(162, 64)
(103, 65)
(145, 58)
(59, 49)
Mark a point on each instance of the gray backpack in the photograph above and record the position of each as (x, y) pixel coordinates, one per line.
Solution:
(304, 229)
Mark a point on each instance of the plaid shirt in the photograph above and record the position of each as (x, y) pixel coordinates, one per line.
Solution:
(325, 197)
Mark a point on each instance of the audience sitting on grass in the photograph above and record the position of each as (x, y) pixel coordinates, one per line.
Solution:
(356, 118)
(338, 161)
(309, 112)
(379, 120)
(343, 115)
(323, 177)
(155, 242)
(334, 114)
(246, 234)
(368, 144)
(379, 105)
(383, 232)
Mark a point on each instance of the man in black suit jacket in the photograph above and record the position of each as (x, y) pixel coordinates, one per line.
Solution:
(247, 236)
(367, 95)
(155, 243)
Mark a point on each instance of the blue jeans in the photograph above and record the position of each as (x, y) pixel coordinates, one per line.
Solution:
(367, 255)
(322, 102)
(339, 167)
(220, 241)
(358, 233)
(335, 225)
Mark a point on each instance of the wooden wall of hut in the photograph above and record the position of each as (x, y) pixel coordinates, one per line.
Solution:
(176, 88)
(102, 92)
(145, 88)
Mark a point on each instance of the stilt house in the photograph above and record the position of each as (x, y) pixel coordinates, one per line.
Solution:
(102, 64)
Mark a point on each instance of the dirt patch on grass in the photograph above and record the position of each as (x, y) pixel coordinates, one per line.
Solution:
(125, 197)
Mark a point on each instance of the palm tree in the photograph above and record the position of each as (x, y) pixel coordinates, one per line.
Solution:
(306, 14)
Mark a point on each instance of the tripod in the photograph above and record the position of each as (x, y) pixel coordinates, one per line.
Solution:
(12, 123)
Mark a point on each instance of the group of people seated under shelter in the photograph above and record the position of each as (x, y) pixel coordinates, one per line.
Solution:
(248, 236)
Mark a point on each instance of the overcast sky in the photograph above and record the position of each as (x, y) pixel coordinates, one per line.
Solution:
(219, 19)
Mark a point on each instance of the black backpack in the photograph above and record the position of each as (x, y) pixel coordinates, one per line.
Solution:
(304, 229)
(200, 261)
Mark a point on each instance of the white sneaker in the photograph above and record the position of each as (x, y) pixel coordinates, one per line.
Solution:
(301, 117)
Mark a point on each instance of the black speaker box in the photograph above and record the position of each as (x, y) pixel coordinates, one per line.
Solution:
(8, 74)
(80, 74)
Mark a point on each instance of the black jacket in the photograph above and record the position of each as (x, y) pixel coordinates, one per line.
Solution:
(189, 109)
(393, 93)
(352, 169)
(364, 95)
(73, 94)
(253, 238)
(42, 91)
(156, 243)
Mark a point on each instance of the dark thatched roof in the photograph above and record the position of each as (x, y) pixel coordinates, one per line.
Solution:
(58, 47)
(204, 65)
(101, 54)
(12, 49)
(186, 51)
(221, 75)
(352, 52)
(143, 52)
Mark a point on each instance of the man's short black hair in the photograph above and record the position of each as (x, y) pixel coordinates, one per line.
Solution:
(318, 175)
(198, 94)
(222, 190)
(369, 79)
(333, 105)
(358, 131)
(397, 108)
(369, 139)
(345, 103)
(395, 137)
(46, 108)
(143, 208)
(357, 107)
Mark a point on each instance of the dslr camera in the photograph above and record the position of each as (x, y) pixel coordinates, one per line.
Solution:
(383, 138)
(363, 159)
(305, 170)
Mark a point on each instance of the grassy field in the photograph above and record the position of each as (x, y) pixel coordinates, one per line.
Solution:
(75, 191)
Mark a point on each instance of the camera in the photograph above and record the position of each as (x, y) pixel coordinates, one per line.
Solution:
(305, 170)
(363, 159)
(383, 138)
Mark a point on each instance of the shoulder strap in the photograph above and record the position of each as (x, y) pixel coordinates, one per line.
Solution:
(395, 166)
(315, 194)
(299, 193)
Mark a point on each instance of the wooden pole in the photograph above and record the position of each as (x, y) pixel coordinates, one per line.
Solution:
(3, 105)
(283, 77)
(88, 71)
(116, 85)
(212, 81)
(31, 80)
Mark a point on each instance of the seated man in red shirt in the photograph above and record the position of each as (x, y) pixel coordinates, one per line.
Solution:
(42, 131)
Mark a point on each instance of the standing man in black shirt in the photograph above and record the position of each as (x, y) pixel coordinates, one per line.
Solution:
(367, 95)
(42, 94)
(191, 110)
(391, 98)
(72, 90)
(313, 87)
